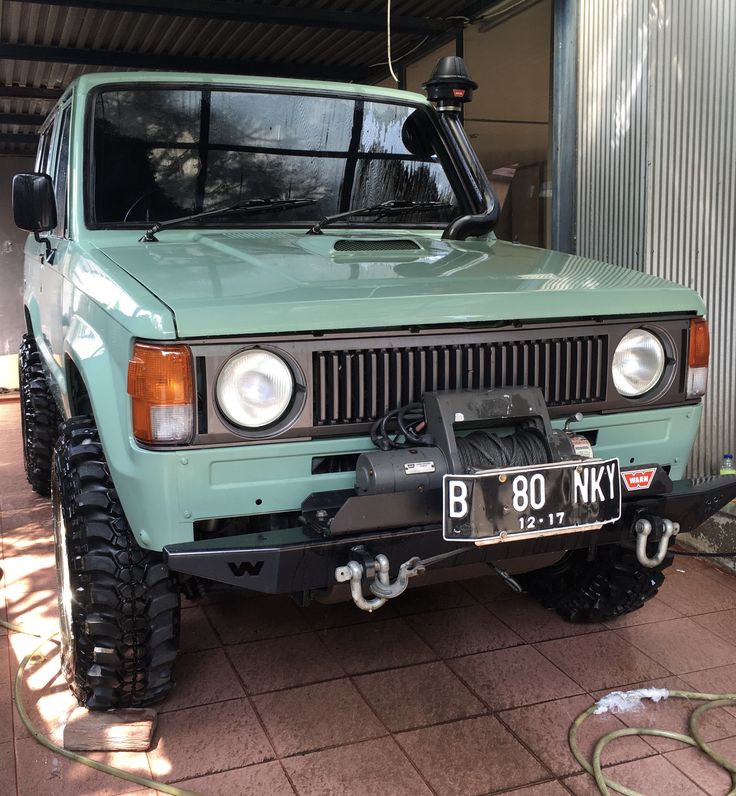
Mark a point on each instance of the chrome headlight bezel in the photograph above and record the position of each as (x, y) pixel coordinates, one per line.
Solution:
(292, 408)
(661, 374)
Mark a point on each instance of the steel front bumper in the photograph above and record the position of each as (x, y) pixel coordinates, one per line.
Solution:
(303, 559)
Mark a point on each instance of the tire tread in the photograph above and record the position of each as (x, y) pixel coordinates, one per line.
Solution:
(125, 611)
(40, 417)
(611, 585)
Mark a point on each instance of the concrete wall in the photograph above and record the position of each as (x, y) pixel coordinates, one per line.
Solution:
(12, 239)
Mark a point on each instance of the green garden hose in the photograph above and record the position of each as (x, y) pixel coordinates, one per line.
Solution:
(594, 766)
(59, 750)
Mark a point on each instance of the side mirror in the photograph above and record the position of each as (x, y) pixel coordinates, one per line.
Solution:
(415, 138)
(34, 203)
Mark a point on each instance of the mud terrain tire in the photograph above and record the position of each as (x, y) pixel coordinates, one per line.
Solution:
(118, 603)
(39, 417)
(615, 583)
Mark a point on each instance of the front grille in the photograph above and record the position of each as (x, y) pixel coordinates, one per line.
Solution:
(362, 385)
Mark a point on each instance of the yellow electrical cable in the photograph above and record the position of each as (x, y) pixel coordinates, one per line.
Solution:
(44, 741)
(594, 765)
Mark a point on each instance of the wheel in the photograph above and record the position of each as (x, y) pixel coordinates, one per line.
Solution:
(118, 603)
(39, 417)
(614, 583)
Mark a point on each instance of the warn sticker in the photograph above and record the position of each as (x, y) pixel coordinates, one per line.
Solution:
(636, 480)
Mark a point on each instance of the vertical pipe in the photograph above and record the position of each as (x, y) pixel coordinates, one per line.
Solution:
(564, 124)
(460, 52)
(402, 76)
(460, 40)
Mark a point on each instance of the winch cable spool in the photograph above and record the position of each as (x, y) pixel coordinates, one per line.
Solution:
(486, 450)
(34, 657)
(480, 450)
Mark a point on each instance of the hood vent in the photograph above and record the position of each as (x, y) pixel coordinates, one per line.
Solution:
(392, 245)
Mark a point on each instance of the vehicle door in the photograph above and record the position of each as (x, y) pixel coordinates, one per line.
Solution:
(54, 323)
(34, 253)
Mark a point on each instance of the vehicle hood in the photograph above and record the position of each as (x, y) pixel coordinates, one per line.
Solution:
(267, 281)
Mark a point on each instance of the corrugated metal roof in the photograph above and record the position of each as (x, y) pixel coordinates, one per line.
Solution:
(98, 34)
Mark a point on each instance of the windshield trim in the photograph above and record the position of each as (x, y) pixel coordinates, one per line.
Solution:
(463, 192)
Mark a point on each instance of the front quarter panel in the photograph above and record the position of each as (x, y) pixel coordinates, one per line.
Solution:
(99, 348)
(119, 295)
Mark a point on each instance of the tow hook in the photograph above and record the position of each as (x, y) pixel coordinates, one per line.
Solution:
(643, 528)
(377, 572)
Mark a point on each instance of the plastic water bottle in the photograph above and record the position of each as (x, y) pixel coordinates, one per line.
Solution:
(727, 467)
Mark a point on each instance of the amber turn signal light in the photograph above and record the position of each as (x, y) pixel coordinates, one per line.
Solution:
(160, 383)
(699, 350)
(698, 354)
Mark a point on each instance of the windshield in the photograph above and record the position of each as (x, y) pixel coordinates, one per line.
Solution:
(163, 153)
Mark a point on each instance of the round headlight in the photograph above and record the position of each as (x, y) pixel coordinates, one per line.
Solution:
(638, 363)
(255, 388)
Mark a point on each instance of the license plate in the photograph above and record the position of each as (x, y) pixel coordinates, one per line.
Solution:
(528, 502)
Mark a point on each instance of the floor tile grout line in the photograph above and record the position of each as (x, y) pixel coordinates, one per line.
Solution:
(584, 687)
(646, 654)
(682, 770)
(249, 692)
(663, 598)
(222, 771)
(350, 678)
(252, 707)
(289, 778)
(262, 724)
(505, 623)
(16, 738)
(464, 655)
(441, 658)
(581, 770)
(392, 736)
(432, 724)
(6, 637)
(693, 618)
(495, 714)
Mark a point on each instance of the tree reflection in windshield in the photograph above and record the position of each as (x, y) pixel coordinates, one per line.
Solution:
(166, 152)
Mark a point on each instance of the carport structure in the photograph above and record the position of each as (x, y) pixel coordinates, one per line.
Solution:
(45, 44)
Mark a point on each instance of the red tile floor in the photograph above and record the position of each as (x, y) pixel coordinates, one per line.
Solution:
(459, 688)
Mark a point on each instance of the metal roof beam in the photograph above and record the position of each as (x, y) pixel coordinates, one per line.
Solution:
(32, 119)
(262, 12)
(466, 15)
(178, 63)
(30, 92)
(18, 138)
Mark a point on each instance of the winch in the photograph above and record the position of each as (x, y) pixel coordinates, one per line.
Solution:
(466, 433)
(420, 443)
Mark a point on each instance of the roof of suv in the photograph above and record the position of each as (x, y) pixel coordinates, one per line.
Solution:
(88, 82)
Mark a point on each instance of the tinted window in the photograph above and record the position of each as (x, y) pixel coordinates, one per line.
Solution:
(164, 153)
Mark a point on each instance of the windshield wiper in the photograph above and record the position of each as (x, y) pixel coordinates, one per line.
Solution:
(246, 206)
(394, 207)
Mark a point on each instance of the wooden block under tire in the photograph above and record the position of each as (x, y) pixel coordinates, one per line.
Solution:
(124, 730)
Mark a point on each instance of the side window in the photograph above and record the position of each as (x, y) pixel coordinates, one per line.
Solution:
(61, 173)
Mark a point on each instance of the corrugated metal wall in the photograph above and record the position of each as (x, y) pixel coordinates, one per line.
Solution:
(657, 164)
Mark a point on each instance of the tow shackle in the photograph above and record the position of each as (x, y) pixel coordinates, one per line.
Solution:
(643, 528)
(380, 584)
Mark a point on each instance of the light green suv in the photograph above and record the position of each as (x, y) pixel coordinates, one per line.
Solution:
(273, 342)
